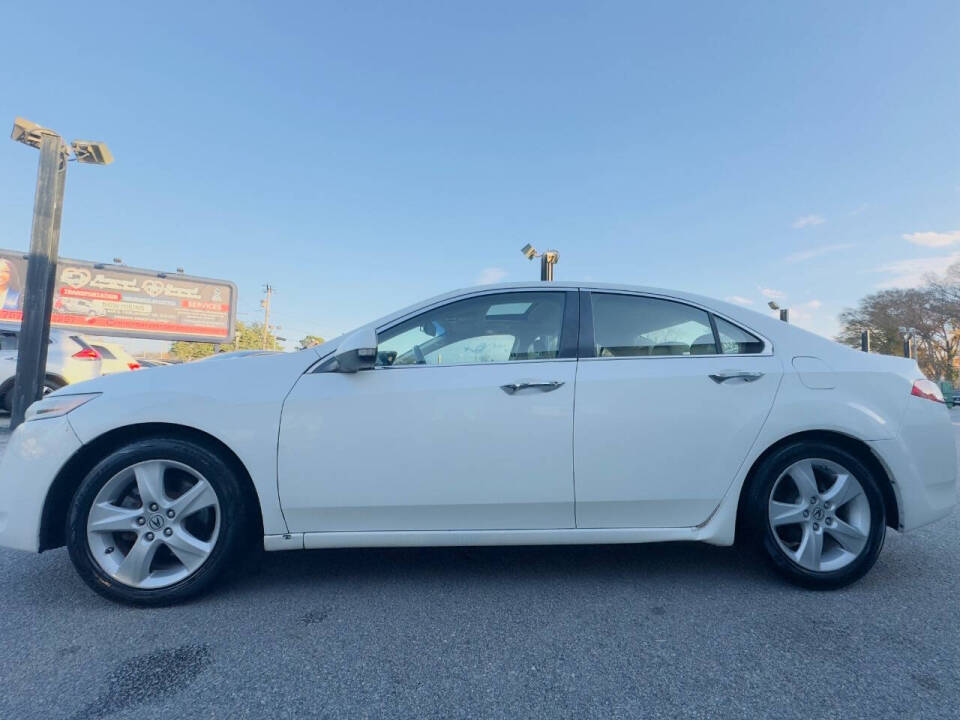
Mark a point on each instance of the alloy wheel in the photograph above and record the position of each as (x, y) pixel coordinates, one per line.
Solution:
(153, 524)
(819, 515)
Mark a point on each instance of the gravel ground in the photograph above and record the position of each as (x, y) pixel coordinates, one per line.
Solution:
(626, 631)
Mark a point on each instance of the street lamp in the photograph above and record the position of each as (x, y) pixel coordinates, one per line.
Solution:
(784, 312)
(44, 246)
(547, 260)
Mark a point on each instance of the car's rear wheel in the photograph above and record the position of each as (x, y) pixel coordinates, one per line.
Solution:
(156, 522)
(818, 511)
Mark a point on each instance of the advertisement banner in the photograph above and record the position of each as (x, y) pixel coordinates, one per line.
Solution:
(104, 299)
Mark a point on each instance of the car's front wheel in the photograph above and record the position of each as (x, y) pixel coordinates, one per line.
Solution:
(156, 522)
(819, 513)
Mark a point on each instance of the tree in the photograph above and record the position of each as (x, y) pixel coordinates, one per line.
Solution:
(310, 341)
(925, 312)
(249, 336)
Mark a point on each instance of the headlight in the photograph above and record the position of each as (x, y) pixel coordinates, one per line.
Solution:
(56, 405)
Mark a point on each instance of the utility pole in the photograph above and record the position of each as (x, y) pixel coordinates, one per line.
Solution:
(865, 340)
(41, 275)
(44, 248)
(265, 303)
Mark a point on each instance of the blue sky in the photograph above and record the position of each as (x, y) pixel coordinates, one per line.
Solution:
(360, 156)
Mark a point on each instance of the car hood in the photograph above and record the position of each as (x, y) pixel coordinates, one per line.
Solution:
(201, 377)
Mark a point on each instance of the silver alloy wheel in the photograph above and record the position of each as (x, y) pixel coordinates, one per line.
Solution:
(153, 524)
(819, 515)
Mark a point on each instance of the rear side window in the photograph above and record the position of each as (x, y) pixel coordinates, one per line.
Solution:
(79, 341)
(104, 353)
(736, 341)
(632, 326)
(8, 341)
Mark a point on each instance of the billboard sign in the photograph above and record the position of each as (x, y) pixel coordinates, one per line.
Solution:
(105, 299)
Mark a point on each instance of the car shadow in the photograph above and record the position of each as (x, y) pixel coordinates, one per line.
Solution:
(674, 562)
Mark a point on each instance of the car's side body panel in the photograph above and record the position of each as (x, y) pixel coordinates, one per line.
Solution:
(429, 448)
(237, 402)
(36, 452)
(658, 442)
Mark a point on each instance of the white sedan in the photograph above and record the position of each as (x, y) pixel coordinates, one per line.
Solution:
(503, 415)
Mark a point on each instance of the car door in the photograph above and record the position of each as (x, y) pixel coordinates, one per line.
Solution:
(465, 423)
(669, 400)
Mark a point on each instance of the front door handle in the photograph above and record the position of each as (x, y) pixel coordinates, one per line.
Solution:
(744, 375)
(511, 388)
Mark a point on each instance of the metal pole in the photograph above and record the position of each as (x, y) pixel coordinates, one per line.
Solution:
(41, 273)
(906, 347)
(785, 314)
(266, 317)
(547, 261)
(865, 341)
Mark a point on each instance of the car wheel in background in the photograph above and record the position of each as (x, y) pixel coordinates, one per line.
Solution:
(818, 512)
(49, 385)
(156, 522)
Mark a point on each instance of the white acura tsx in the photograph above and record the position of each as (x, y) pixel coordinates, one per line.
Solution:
(501, 415)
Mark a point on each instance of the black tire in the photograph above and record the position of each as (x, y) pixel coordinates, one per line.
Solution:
(234, 522)
(49, 385)
(761, 532)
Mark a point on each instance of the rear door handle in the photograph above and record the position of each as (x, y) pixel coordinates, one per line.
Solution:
(744, 375)
(511, 388)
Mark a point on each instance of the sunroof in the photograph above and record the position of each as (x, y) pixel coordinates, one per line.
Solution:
(509, 308)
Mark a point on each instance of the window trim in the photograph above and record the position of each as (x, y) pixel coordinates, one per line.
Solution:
(587, 349)
(566, 351)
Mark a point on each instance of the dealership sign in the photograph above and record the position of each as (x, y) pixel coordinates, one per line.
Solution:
(117, 300)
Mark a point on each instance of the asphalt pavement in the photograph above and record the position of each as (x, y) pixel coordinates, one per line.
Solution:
(651, 631)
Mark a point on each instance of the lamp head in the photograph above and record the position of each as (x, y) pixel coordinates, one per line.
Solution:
(95, 153)
(529, 251)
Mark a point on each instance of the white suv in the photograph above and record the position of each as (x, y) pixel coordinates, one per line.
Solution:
(70, 359)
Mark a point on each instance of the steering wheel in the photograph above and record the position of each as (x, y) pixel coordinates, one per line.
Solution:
(418, 354)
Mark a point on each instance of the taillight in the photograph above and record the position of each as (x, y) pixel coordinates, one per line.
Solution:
(133, 365)
(927, 390)
(87, 353)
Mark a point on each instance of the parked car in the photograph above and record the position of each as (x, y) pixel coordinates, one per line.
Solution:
(115, 358)
(70, 359)
(503, 415)
(235, 354)
(144, 363)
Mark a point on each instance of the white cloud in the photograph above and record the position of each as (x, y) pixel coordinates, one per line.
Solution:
(859, 209)
(817, 252)
(913, 272)
(808, 220)
(805, 315)
(739, 300)
(772, 294)
(933, 239)
(491, 275)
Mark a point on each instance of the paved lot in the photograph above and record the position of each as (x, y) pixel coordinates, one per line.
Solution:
(631, 631)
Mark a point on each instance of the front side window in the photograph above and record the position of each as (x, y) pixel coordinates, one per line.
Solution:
(496, 328)
(633, 326)
(735, 341)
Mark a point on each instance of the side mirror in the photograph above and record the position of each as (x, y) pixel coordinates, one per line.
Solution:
(358, 351)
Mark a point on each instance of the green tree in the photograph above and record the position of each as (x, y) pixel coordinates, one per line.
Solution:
(249, 336)
(310, 341)
(927, 313)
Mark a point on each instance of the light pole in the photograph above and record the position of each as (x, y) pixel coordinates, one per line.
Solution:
(44, 246)
(784, 312)
(547, 260)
